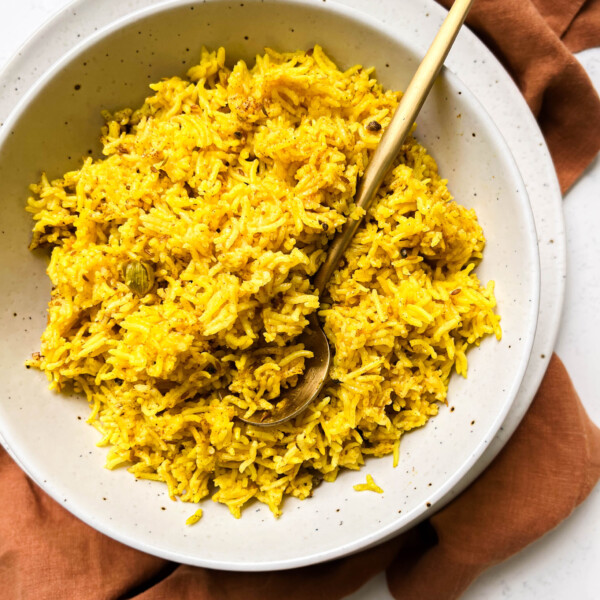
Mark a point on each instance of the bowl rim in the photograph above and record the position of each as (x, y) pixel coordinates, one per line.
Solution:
(419, 512)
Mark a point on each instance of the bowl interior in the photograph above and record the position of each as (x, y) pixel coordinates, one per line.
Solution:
(58, 123)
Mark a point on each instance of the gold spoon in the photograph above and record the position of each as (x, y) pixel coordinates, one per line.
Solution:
(294, 401)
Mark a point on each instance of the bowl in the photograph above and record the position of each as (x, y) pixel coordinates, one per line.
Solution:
(57, 122)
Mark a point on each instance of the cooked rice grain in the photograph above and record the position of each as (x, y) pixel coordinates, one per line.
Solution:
(230, 184)
(193, 519)
(369, 486)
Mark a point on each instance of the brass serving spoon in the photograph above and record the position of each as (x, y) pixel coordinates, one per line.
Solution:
(295, 400)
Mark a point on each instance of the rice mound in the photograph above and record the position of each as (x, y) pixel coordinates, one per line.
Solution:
(230, 185)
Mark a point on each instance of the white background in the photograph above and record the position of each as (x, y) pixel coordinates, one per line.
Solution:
(565, 563)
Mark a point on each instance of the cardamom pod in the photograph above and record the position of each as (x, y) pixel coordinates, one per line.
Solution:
(139, 277)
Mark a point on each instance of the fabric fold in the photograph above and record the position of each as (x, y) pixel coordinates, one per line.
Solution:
(552, 80)
(584, 32)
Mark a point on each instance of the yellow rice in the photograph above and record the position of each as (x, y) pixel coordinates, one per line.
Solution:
(193, 519)
(230, 184)
(369, 486)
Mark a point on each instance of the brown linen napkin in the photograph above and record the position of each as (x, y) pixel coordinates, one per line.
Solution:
(548, 467)
(534, 39)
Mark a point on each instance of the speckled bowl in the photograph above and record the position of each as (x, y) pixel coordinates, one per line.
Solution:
(57, 123)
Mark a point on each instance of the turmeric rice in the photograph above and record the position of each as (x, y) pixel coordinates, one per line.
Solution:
(369, 486)
(221, 194)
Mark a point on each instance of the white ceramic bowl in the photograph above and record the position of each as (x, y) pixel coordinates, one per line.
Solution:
(55, 124)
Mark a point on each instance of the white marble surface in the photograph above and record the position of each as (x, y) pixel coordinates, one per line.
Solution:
(563, 564)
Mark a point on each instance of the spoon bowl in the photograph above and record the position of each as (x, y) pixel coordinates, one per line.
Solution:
(296, 399)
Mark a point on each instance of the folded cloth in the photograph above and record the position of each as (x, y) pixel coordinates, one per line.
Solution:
(534, 39)
(548, 467)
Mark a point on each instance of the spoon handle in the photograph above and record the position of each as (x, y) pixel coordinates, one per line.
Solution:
(396, 132)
